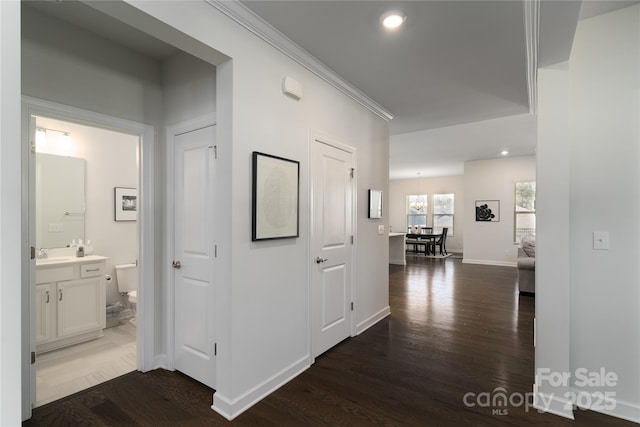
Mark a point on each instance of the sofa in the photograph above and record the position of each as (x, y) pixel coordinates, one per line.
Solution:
(527, 265)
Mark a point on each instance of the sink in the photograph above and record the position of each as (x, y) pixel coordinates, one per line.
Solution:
(56, 260)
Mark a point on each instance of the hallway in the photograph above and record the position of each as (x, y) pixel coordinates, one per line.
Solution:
(454, 329)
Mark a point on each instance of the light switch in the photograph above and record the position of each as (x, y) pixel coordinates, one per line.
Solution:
(601, 240)
(381, 229)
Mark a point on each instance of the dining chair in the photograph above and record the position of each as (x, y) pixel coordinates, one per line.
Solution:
(440, 242)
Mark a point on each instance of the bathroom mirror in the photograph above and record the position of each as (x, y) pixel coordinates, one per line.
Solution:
(60, 200)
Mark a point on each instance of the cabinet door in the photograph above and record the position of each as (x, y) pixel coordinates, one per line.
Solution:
(45, 312)
(80, 306)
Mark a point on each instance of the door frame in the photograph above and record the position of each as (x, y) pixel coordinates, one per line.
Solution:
(145, 342)
(316, 137)
(169, 306)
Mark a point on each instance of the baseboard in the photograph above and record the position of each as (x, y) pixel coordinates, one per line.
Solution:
(161, 361)
(553, 404)
(372, 320)
(625, 410)
(231, 408)
(398, 262)
(487, 262)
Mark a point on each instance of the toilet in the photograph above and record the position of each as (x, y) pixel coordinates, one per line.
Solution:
(127, 277)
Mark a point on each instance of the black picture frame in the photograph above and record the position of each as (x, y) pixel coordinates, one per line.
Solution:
(125, 204)
(275, 197)
(487, 210)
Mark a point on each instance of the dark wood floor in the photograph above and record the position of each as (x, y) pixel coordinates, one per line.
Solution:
(454, 329)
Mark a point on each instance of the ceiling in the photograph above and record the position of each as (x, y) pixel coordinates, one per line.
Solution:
(452, 61)
(454, 76)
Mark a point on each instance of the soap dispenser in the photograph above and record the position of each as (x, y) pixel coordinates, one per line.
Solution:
(88, 248)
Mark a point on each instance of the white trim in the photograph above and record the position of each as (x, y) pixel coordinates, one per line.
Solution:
(625, 410)
(230, 409)
(248, 19)
(488, 262)
(160, 361)
(531, 32)
(169, 284)
(146, 292)
(372, 320)
(397, 262)
(552, 404)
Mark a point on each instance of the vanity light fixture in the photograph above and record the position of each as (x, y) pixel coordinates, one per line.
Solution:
(60, 138)
(393, 19)
(504, 152)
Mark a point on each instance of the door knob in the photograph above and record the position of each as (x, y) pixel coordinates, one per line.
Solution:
(176, 265)
(320, 260)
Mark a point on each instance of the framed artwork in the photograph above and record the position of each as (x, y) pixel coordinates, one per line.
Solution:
(488, 210)
(125, 201)
(275, 197)
(375, 204)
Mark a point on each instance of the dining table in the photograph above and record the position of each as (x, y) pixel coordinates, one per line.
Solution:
(424, 238)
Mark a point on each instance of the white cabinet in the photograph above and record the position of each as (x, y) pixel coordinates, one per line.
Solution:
(70, 303)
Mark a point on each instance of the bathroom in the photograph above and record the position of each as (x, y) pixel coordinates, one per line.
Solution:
(110, 174)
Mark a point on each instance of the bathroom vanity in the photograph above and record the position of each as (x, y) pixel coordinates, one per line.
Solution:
(70, 301)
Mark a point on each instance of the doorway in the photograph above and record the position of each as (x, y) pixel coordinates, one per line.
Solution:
(332, 211)
(113, 153)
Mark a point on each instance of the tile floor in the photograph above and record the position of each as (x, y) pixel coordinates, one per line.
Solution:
(66, 371)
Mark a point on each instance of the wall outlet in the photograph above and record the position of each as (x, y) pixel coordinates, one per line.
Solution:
(56, 228)
(381, 229)
(601, 240)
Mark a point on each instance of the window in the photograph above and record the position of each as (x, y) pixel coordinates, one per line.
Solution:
(443, 212)
(525, 210)
(417, 210)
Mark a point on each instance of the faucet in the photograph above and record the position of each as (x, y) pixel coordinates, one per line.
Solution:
(43, 253)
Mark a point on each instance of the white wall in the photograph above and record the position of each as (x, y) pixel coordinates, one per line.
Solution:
(189, 88)
(12, 245)
(552, 238)
(493, 242)
(399, 190)
(111, 161)
(262, 311)
(605, 183)
(263, 338)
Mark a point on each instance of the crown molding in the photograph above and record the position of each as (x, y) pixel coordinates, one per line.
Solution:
(248, 19)
(532, 29)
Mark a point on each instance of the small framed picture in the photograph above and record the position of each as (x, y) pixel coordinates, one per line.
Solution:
(488, 210)
(375, 204)
(125, 203)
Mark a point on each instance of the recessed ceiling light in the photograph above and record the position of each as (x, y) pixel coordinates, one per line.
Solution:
(393, 19)
(504, 152)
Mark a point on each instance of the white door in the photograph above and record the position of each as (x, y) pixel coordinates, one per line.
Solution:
(194, 254)
(331, 247)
